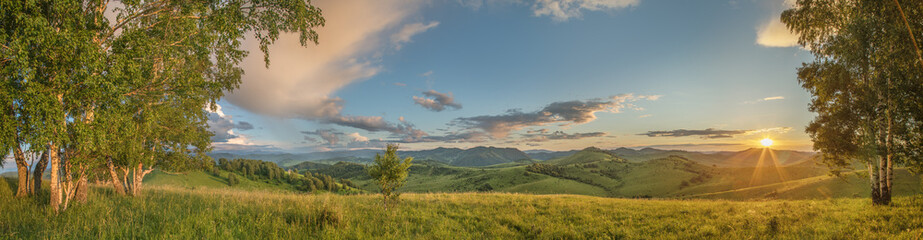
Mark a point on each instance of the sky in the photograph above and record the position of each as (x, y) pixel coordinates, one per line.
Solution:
(545, 74)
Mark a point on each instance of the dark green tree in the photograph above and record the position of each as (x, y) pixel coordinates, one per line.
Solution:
(232, 179)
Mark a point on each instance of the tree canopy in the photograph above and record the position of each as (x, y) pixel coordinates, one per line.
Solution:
(866, 82)
(126, 83)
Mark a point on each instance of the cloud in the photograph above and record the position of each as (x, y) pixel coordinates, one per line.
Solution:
(765, 99)
(232, 147)
(301, 81)
(707, 133)
(711, 133)
(774, 33)
(402, 129)
(244, 125)
(458, 137)
(427, 74)
(400, 84)
(329, 135)
(645, 116)
(778, 130)
(773, 98)
(355, 137)
(436, 101)
(560, 135)
(370, 144)
(408, 31)
(562, 10)
(567, 113)
(222, 126)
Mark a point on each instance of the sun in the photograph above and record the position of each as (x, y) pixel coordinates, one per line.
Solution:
(766, 142)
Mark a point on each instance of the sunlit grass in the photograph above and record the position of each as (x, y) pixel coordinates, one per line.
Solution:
(174, 212)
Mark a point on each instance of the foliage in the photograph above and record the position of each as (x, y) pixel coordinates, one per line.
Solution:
(127, 92)
(232, 179)
(390, 171)
(865, 82)
(269, 172)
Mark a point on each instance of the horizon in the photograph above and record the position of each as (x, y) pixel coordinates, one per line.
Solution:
(714, 76)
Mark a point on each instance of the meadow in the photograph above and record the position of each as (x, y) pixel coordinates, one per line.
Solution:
(173, 212)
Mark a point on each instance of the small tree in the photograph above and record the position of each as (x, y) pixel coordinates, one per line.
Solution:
(390, 171)
(232, 179)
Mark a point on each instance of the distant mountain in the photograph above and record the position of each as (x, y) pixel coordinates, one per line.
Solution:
(487, 156)
(472, 157)
(548, 155)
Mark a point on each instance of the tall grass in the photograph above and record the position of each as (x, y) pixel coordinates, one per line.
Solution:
(165, 212)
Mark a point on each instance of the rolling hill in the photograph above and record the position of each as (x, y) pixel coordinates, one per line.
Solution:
(593, 171)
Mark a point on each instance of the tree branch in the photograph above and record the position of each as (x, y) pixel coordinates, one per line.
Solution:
(910, 30)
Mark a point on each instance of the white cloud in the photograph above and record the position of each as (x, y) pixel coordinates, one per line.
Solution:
(408, 31)
(355, 137)
(562, 10)
(222, 126)
(774, 33)
(773, 98)
(779, 130)
(300, 81)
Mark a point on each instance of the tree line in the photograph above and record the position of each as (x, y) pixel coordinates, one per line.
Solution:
(259, 170)
(119, 88)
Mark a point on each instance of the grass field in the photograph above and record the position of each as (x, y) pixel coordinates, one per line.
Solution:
(169, 212)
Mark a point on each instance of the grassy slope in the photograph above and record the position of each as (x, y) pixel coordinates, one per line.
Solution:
(201, 179)
(851, 185)
(181, 213)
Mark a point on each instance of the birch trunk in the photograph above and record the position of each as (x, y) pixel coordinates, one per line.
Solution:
(38, 171)
(889, 144)
(116, 182)
(81, 194)
(55, 196)
(873, 180)
(22, 168)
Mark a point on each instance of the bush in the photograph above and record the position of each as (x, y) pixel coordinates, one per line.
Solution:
(232, 179)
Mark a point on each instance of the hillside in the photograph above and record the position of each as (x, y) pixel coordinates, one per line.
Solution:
(597, 172)
(206, 213)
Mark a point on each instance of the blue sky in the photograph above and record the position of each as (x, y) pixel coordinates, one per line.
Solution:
(547, 74)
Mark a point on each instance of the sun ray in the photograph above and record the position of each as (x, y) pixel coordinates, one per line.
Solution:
(757, 170)
(775, 162)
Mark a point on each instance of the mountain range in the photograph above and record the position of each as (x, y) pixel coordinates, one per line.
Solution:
(488, 156)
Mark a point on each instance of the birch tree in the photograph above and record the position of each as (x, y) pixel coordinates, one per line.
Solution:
(866, 83)
(127, 92)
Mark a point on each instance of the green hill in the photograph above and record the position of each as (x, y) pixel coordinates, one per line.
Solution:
(597, 172)
(198, 179)
(587, 155)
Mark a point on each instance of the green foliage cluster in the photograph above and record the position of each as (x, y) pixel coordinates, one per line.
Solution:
(547, 169)
(390, 171)
(126, 93)
(865, 83)
(232, 179)
(259, 170)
